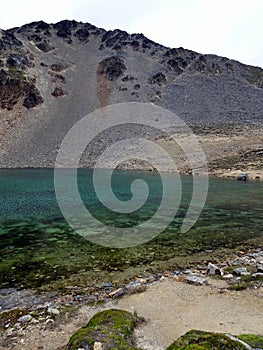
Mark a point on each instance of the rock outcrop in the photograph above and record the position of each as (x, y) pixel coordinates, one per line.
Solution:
(91, 68)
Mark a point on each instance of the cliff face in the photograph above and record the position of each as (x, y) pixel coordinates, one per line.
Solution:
(51, 75)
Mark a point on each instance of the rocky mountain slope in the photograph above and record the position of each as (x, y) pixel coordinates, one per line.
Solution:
(51, 75)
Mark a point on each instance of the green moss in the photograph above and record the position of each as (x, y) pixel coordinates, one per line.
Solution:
(113, 328)
(204, 340)
(239, 287)
(255, 341)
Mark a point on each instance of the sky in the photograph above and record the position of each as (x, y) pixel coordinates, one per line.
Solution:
(230, 28)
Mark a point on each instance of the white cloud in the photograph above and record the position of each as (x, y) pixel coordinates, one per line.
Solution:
(228, 28)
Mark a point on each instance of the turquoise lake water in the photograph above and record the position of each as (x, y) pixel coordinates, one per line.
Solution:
(35, 237)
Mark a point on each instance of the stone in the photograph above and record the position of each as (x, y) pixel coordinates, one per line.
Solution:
(97, 346)
(134, 287)
(179, 278)
(197, 281)
(117, 293)
(53, 311)
(214, 270)
(258, 275)
(25, 318)
(228, 276)
(241, 271)
(260, 268)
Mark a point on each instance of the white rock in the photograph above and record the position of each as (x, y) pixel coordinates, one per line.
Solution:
(25, 318)
(214, 270)
(198, 281)
(53, 311)
(228, 276)
(97, 346)
(241, 271)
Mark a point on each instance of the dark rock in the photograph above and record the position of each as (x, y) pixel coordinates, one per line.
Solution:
(45, 46)
(33, 99)
(243, 177)
(57, 67)
(64, 28)
(9, 41)
(177, 65)
(59, 92)
(135, 44)
(260, 268)
(82, 34)
(14, 85)
(56, 77)
(113, 67)
(17, 61)
(128, 78)
(35, 38)
(43, 26)
(157, 79)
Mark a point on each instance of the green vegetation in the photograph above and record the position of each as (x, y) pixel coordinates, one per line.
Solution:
(113, 328)
(255, 341)
(195, 340)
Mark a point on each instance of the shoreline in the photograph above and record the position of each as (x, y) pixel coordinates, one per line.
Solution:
(171, 305)
(253, 175)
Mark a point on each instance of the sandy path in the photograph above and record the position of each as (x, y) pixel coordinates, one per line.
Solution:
(171, 308)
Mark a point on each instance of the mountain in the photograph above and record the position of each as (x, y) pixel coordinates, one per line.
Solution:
(51, 75)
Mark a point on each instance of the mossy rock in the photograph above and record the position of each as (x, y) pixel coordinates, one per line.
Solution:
(203, 340)
(113, 328)
(255, 341)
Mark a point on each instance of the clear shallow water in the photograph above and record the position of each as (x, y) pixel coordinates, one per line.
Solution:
(35, 237)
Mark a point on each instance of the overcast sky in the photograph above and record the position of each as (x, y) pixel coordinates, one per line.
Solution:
(231, 28)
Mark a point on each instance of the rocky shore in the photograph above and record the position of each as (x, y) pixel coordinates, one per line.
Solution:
(27, 311)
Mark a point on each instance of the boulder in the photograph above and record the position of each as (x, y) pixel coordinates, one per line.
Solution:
(214, 270)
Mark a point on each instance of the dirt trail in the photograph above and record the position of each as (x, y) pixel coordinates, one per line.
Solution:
(171, 308)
